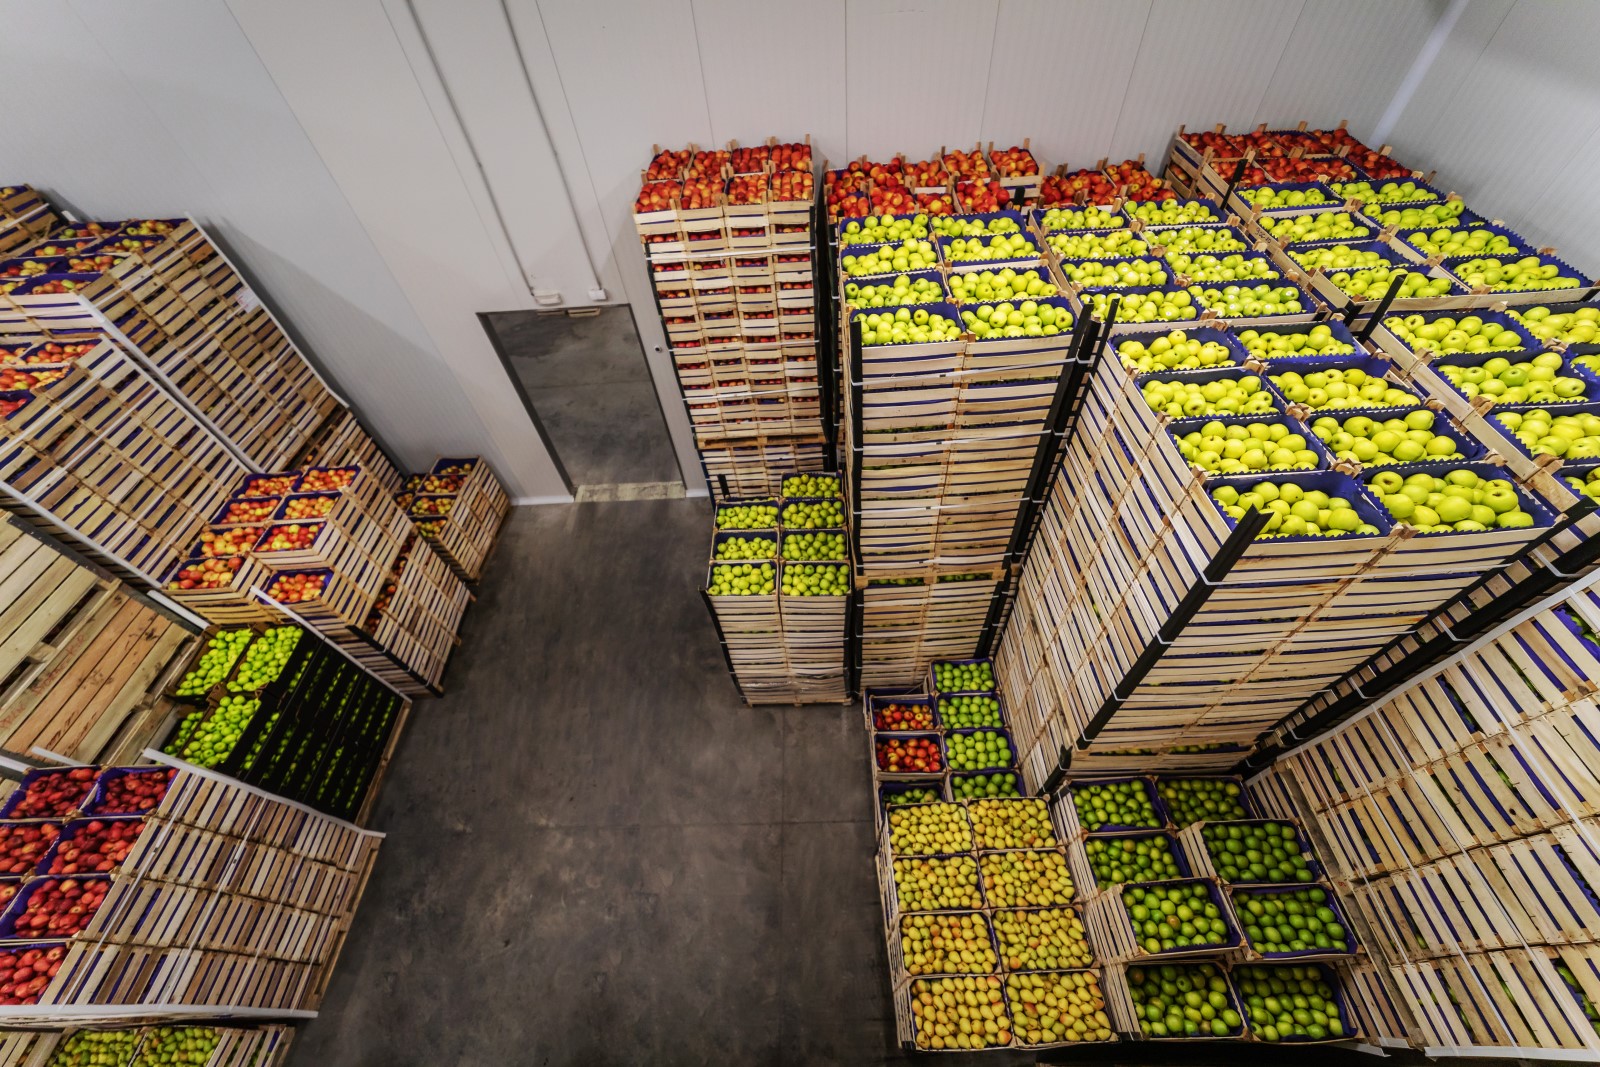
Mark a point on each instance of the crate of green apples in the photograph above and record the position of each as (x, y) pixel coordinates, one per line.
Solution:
(1209, 798)
(1172, 919)
(1292, 922)
(1250, 852)
(1187, 1001)
(1118, 859)
(1112, 804)
(1301, 1003)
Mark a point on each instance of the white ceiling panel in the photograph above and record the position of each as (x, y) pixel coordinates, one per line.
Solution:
(774, 69)
(917, 74)
(1201, 62)
(1059, 72)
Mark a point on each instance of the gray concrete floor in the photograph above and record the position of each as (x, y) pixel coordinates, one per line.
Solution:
(597, 854)
(588, 381)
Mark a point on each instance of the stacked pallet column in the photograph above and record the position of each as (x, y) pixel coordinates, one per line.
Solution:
(729, 243)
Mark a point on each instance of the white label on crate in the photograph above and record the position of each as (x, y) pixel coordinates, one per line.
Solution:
(248, 299)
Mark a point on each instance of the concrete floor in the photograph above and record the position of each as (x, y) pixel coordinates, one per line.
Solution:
(597, 854)
(588, 381)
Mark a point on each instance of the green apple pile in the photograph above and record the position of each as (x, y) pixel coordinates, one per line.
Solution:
(1372, 443)
(96, 1048)
(1580, 326)
(1120, 804)
(1026, 879)
(974, 677)
(947, 944)
(1235, 449)
(1183, 1001)
(220, 654)
(824, 514)
(1323, 226)
(1387, 193)
(190, 1045)
(1588, 485)
(1531, 381)
(1176, 915)
(1256, 852)
(1043, 940)
(1271, 344)
(1572, 436)
(1451, 336)
(1269, 199)
(910, 254)
(1196, 239)
(1163, 305)
(998, 824)
(1234, 268)
(1290, 922)
(1086, 218)
(813, 546)
(1225, 396)
(884, 229)
(1461, 501)
(1514, 275)
(998, 247)
(987, 286)
(811, 485)
(1452, 243)
(1057, 1006)
(215, 737)
(936, 883)
(747, 516)
(1440, 215)
(1120, 860)
(980, 750)
(1293, 511)
(742, 579)
(816, 579)
(1189, 800)
(1174, 351)
(901, 291)
(265, 661)
(1173, 212)
(995, 784)
(1341, 388)
(959, 1013)
(913, 795)
(1027, 319)
(962, 712)
(1288, 1001)
(1249, 301)
(1104, 245)
(907, 326)
(930, 830)
(965, 226)
(1105, 274)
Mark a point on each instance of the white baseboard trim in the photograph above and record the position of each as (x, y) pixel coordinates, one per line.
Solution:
(535, 501)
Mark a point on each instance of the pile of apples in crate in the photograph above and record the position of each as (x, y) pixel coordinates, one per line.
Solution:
(63, 835)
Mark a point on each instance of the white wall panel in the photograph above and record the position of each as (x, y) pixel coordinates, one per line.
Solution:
(1059, 75)
(1201, 62)
(918, 74)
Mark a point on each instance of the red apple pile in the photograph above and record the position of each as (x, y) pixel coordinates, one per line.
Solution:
(23, 845)
(61, 907)
(667, 166)
(295, 587)
(903, 717)
(308, 507)
(927, 174)
(135, 793)
(751, 160)
(234, 541)
(25, 973)
(793, 156)
(287, 537)
(54, 793)
(747, 189)
(1014, 162)
(96, 847)
(327, 480)
(254, 510)
(900, 755)
(207, 574)
(267, 485)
